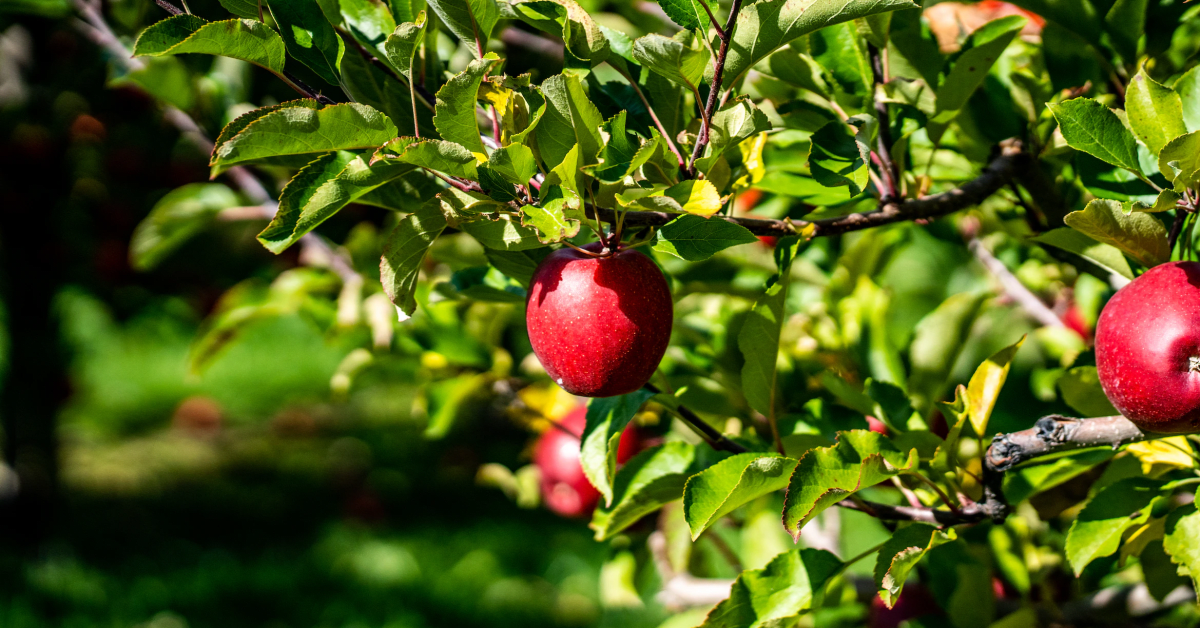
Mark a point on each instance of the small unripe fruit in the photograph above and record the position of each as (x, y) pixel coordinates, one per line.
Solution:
(599, 325)
(564, 486)
(1148, 349)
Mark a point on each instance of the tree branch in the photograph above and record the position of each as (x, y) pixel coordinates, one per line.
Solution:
(1023, 296)
(715, 439)
(891, 173)
(1011, 160)
(715, 86)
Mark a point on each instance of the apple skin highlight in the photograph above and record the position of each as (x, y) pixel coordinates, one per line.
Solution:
(599, 325)
(1148, 349)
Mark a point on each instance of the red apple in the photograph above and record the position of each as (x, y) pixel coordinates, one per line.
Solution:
(565, 488)
(877, 426)
(1148, 349)
(1074, 321)
(599, 325)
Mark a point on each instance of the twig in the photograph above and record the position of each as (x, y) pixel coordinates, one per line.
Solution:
(1011, 161)
(1013, 287)
(714, 91)
(1176, 228)
(712, 18)
(683, 590)
(715, 439)
(891, 173)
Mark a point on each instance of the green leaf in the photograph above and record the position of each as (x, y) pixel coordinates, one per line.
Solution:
(584, 41)
(373, 86)
(607, 418)
(242, 8)
(519, 265)
(1140, 235)
(827, 475)
(758, 341)
(777, 594)
(984, 387)
(695, 196)
(300, 131)
(979, 53)
(1166, 201)
(482, 283)
(1179, 161)
(166, 78)
(723, 487)
(369, 22)
(455, 109)
(765, 26)
(901, 553)
(248, 40)
(1080, 388)
(1105, 256)
(515, 163)
(1126, 23)
(503, 233)
(1091, 127)
(1097, 531)
(241, 122)
(440, 155)
(320, 190)
(570, 119)
(732, 124)
(1155, 111)
(309, 37)
(837, 159)
(550, 216)
(696, 239)
(403, 251)
(174, 219)
(1188, 88)
(1182, 530)
(646, 482)
(937, 342)
(681, 59)
(401, 46)
(616, 158)
(841, 52)
(891, 403)
(689, 14)
(471, 21)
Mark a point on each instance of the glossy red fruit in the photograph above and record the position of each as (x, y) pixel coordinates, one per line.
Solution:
(599, 325)
(565, 488)
(877, 426)
(1148, 349)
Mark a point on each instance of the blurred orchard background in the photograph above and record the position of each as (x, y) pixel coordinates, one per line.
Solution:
(263, 489)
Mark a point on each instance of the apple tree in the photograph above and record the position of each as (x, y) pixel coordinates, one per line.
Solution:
(865, 214)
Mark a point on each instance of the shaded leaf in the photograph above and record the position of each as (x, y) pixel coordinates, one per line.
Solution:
(836, 159)
(1080, 388)
(1179, 161)
(175, 218)
(937, 342)
(681, 59)
(403, 251)
(470, 20)
(1105, 256)
(309, 37)
(503, 233)
(979, 53)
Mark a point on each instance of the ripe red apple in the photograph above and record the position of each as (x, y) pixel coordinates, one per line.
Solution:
(1148, 349)
(599, 325)
(1074, 321)
(565, 488)
(877, 426)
